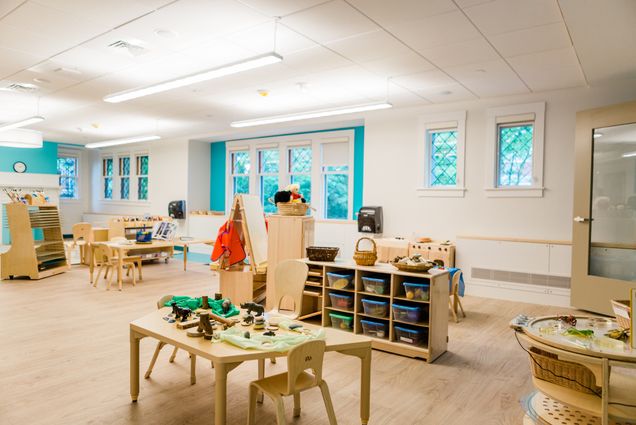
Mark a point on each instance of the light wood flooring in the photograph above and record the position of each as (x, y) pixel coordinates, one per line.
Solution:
(64, 355)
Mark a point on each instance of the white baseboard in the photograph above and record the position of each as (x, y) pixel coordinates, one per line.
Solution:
(519, 292)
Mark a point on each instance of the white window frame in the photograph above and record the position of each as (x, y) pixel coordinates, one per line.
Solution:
(530, 112)
(260, 174)
(120, 176)
(133, 192)
(290, 174)
(315, 140)
(68, 154)
(103, 177)
(445, 121)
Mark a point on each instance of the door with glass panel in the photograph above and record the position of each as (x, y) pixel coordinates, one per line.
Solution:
(604, 232)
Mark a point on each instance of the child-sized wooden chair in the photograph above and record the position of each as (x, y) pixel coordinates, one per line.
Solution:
(308, 355)
(193, 359)
(107, 261)
(453, 300)
(82, 238)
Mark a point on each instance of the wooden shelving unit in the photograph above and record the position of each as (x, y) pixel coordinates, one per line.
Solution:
(434, 320)
(128, 227)
(313, 294)
(29, 256)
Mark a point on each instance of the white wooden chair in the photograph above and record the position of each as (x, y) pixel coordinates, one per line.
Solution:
(193, 359)
(454, 299)
(307, 356)
(107, 261)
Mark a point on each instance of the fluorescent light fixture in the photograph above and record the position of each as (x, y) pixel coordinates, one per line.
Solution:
(629, 154)
(117, 142)
(312, 114)
(597, 135)
(21, 123)
(233, 68)
(21, 138)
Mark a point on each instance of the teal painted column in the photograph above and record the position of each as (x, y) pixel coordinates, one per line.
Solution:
(358, 170)
(217, 176)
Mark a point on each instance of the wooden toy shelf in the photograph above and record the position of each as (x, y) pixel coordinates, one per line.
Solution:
(433, 323)
(28, 256)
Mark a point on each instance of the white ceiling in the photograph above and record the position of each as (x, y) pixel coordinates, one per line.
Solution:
(345, 51)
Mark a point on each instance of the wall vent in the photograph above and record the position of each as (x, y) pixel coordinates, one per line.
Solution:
(132, 49)
(520, 277)
(21, 87)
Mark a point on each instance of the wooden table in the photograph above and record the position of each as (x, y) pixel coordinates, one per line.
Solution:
(596, 354)
(122, 249)
(186, 243)
(227, 357)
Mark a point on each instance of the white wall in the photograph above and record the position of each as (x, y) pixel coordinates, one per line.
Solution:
(72, 210)
(198, 176)
(391, 170)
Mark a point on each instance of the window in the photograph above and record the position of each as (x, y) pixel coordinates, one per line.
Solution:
(124, 177)
(142, 177)
(240, 172)
(268, 168)
(67, 168)
(107, 177)
(514, 166)
(320, 163)
(515, 150)
(299, 168)
(335, 177)
(442, 155)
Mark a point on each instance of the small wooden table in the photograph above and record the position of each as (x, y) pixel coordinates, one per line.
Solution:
(226, 357)
(122, 250)
(186, 243)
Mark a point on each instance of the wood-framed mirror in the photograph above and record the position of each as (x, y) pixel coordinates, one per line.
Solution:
(604, 219)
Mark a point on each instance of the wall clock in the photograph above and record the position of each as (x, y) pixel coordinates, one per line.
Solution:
(19, 167)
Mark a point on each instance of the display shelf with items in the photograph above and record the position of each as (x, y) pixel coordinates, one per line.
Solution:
(378, 292)
(313, 294)
(127, 227)
(435, 251)
(37, 247)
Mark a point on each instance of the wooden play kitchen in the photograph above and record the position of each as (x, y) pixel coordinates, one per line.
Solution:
(581, 375)
(37, 248)
(404, 313)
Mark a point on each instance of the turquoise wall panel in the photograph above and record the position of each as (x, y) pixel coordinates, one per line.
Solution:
(39, 161)
(217, 176)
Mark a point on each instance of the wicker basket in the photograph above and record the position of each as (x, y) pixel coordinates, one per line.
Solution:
(547, 367)
(365, 258)
(322, 253)
(621, 309)
(292, 208)
(420, 268)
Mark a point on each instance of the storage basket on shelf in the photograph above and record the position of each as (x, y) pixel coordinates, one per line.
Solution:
(547, 367)
(622, 313)
(419, 268)
(292, 208)
(365, 258)
(322, 253)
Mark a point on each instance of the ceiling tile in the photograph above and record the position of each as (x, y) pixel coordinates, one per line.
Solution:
(395, 12)
(329, 22)
(369, 46)
(424, 80)
(7, 6)
(501, 16)
(354, 78)
(260, 39)
(603, 35)
(66, 28)
(448, 93)
(12, 61)
(53, 82)
(315, 60)
(468, 3)
(27, 41)
(532, 40)
(395, 66)
(554, 69)
(466, 52)
(489, 79)
(439, 30)
(282, 7)
(92, 62)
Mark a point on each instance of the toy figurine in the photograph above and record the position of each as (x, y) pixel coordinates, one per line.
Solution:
(259, 323)
(248, 319)
(183, 314)
(259, 309)
(269, 333)
(174, 308)
(296, 196)
(247, 334)
(227, 304)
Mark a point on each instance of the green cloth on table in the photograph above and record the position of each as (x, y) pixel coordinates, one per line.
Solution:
(279, 343)
(194, 303)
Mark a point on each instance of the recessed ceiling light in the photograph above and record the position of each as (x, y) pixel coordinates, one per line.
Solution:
(165, 33)
(41, 80)
(445, 92)
(480, 70)
(263, 92)
(597, 135)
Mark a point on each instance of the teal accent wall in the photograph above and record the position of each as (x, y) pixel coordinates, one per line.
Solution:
(217, 176)
(218, 162)
(39, 161)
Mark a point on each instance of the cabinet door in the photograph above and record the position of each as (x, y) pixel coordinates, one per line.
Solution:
(604, 228)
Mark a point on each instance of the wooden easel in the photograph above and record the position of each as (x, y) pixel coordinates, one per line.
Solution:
(244, 283)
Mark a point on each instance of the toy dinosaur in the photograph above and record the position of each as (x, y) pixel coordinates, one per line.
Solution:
(259, 309)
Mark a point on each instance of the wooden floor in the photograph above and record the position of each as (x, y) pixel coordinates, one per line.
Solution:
(64, 360)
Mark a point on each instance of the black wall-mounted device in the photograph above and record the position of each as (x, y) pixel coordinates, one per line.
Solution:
(177, 209)
(370, 220)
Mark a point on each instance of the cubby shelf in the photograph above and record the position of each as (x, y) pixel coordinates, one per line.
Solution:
(434, 323)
